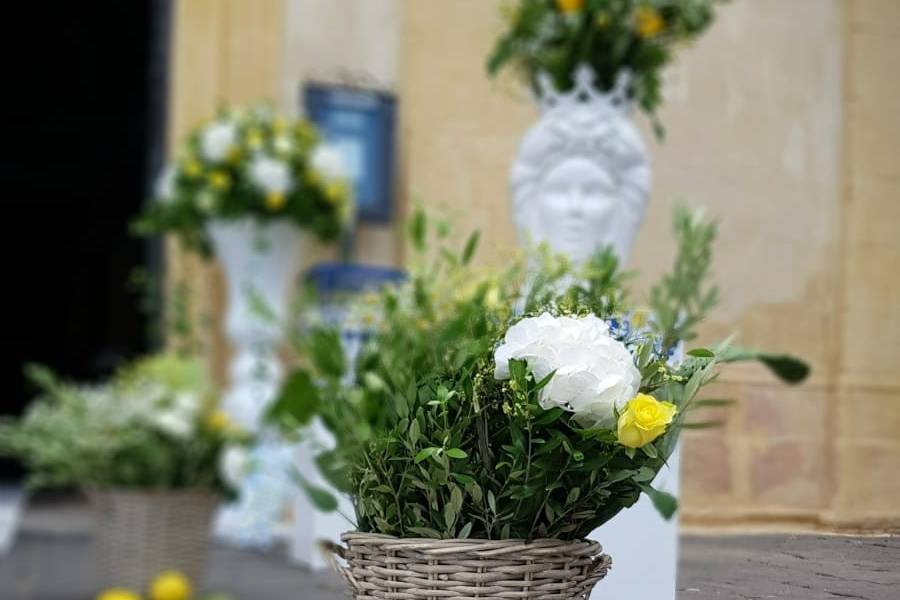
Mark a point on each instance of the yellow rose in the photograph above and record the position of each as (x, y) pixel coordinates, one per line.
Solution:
(171, 585)
(275, 201)
(648, 22)
(118, 594)
(645, 418)
(569, 6)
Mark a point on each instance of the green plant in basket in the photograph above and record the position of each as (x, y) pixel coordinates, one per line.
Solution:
(556, 36)
(250, 162)
(155, 425)
(509, 404)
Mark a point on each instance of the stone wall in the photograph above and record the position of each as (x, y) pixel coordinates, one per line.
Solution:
(781, 122)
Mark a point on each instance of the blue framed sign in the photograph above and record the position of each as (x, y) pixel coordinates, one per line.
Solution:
(359, 124)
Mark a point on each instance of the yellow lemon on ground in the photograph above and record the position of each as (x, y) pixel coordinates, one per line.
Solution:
(645, 418)
(171, 585)
(118, 594)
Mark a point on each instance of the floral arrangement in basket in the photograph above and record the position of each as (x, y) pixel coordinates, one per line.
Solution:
(612, 36)
(154, 426)
(250, 162)
(487, 413)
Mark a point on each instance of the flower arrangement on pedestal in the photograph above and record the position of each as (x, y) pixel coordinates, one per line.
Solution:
(250, 162)
(150, 448)
(480, 437)
(611, 36)
(251, 186)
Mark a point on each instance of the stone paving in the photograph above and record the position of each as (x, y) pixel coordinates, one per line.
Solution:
(51, 560)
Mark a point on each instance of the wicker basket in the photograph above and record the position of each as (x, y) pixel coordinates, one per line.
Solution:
(142, 533)
(386, 567)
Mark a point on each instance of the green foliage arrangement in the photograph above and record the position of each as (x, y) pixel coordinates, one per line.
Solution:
(155, 425)
(250, 162)
(555, 36)
(469, 417)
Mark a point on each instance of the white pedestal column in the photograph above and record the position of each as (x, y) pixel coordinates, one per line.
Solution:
(261, 262)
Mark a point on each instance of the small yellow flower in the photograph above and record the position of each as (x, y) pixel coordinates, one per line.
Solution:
(569, 6)
(234, 155)
(492, 298)
(192, 167)
(648, 22)
(602, 19)
(254, 139)
(279, 124)
(639, 319)
(118, 594)
(220, 180)
(336, 192)
(171, 585)
(275, 201)
(645, 418)
(305, 130)
(218, 420)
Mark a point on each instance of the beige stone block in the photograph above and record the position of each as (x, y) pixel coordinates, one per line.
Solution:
(788, 474)
(869, 415)
(868, 481)
(707, 473)
(774, 412)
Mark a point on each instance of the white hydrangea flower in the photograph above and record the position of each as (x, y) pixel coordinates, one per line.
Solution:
(270, 174)
(283, 144)
(328, 162)
(174, 423)
(595, 373)
(206, 201)
(234, 465)
(217, 140)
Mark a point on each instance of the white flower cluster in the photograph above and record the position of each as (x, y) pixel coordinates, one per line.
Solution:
(172, 413)
(594, 375)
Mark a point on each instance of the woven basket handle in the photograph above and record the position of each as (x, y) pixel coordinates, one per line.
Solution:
(332, 552)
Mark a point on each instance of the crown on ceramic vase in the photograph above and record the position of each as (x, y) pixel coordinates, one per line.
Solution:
(584, 92)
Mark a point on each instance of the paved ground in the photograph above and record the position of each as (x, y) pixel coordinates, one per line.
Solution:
(51, 560)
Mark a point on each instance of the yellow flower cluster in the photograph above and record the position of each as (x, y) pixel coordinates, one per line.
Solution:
(648, 22)
(644, 419)
(569, 6)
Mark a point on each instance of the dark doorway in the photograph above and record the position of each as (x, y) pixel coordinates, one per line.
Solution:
(84, 108)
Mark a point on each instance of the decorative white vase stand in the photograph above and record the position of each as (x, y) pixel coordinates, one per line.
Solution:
(580, 182)
(261, 262)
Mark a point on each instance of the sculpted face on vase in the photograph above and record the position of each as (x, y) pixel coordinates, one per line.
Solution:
(575, 209)
(581, 179)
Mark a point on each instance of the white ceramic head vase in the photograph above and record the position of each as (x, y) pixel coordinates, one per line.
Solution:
(582, 177)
